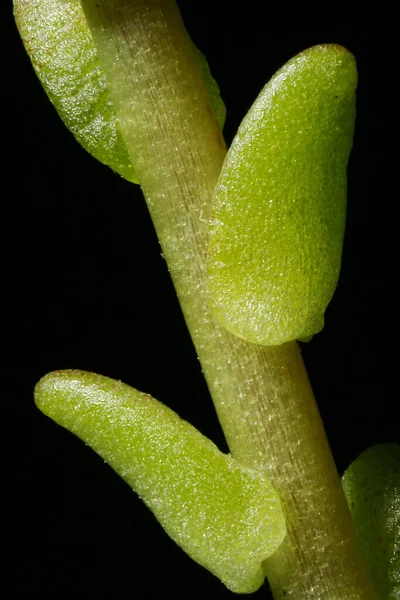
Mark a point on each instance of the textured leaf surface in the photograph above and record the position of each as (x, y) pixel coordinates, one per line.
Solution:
(224, 516)
(62, 51)
(279, 206)
(372, 488)
(59, 43)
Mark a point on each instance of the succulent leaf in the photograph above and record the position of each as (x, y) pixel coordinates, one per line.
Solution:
(278, 211)
(226, 517)
(372, 487)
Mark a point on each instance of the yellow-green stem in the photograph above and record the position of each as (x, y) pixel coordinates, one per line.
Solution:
(262, 395)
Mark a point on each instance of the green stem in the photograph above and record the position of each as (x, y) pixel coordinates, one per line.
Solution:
(262, 395)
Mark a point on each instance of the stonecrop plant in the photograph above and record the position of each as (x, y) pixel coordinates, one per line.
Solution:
(253, 240)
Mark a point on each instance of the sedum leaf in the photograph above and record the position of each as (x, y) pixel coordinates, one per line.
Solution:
(372, 487)
(226, 517)
(279, 206)
(60, 45)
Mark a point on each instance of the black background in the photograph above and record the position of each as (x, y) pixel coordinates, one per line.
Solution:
(85, 287)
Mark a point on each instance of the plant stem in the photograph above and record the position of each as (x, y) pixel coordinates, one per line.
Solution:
(262, 395)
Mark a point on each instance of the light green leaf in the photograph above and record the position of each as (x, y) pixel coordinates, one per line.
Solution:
(279, 206)
(372, 488)
(62, 51)
(226, 517)
(59, 43)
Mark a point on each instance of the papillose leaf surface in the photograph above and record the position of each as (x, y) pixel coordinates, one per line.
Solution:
(372, 487)
(226, 517)
(278, 211)
(60, 45)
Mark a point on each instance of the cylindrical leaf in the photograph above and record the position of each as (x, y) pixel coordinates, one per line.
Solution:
(226, 517)
(372, 488)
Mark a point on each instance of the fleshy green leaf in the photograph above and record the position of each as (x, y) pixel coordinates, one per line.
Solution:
(279, 206)
(62, 51)
(372, 488)
(59, 43)
(224, 516)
